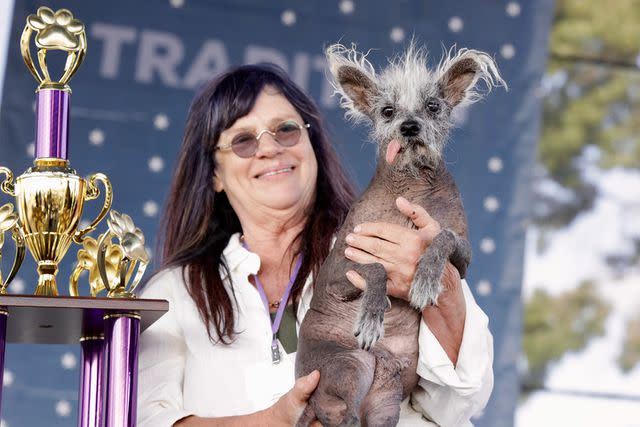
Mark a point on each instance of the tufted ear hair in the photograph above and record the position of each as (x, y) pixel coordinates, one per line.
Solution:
(458, 74)
(354, 79)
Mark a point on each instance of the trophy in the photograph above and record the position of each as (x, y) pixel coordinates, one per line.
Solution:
(50, 196)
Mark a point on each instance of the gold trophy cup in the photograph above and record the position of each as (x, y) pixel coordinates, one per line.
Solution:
(50, 196)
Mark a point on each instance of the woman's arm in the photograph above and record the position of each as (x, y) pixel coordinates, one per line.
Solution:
(456, 346)
(284, 413)
(161, 373)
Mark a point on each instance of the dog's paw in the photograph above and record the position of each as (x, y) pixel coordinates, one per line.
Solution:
(369, 328)
(425, 291)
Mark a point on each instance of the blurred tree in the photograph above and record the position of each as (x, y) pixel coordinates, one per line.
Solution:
(592, 96)
(555, 325)
(631, 350)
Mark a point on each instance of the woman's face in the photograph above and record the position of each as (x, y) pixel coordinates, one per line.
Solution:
(276, 178)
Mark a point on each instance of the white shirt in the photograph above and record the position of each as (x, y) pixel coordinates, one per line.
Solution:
(181, 372)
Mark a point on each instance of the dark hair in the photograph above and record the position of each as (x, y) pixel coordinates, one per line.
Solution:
(198, 222)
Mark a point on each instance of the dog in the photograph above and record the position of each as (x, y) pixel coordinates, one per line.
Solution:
(364, 343)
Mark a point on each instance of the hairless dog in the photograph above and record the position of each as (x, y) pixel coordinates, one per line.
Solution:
(364, 343)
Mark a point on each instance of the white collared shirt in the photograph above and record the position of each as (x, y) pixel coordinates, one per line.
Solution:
(181, 372)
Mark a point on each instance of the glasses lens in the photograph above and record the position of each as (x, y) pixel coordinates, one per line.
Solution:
(288, 133)
(244, 145)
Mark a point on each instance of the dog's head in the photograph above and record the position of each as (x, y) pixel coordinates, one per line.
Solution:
(408, 102)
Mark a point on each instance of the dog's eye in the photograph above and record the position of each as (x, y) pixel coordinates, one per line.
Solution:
(387, 112)
(433, 105)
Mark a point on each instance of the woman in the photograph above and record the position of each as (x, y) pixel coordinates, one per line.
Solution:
(257, 195)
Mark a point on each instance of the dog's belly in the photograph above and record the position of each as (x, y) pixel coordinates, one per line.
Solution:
(335, 329)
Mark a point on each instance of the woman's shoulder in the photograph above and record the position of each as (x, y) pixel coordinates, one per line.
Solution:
(164, 283)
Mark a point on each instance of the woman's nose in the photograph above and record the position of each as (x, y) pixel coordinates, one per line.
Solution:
(268, 146)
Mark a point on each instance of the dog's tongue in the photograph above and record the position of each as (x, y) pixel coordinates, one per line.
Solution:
(392, 150)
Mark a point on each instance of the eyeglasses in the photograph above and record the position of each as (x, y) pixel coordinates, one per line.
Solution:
(245, 144)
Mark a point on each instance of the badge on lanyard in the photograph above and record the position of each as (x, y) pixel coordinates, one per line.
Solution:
(275, 325)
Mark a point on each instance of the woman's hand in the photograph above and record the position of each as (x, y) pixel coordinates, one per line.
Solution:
(399, 249)
(287, 410)
(396, 247)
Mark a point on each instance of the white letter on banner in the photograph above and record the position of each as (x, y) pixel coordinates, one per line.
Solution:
(114, 36)
(327, 99)
(212, 59)
(300, 73)
(161, 52)
(256, 54)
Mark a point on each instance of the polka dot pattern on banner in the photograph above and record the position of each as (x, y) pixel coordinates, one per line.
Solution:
(288, 18)
(487, 245)
(96, 137)
(491, 204)
(7, 378)
(17, 285)
(347, 7)
(513, 9)
(69, 361)
(508, 51)
(156, 164)
(456, 24)
(397, 34)
(63, 408)
(484, 288)
(495, 164)
(161, 122)
(150, 208)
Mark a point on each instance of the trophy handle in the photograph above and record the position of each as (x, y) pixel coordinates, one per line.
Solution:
(73, 280)
(101, 262)
(92, 193)
(20, 249)
(142, 266)
(7, 185)
(126, 268)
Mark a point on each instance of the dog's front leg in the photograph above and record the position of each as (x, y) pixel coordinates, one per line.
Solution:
(369, 324)
(427, 281)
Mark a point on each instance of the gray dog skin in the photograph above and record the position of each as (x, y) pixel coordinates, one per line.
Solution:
(364, 343)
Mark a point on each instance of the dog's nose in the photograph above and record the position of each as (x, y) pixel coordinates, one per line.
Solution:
(410, 128)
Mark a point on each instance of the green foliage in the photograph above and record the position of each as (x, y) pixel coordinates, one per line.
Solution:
(630, 356)
(554, 325)
(600, 102)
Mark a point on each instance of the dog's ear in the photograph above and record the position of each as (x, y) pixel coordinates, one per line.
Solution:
(353, 77)
(459, 74)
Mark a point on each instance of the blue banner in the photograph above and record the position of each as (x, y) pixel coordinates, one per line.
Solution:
(145, 61)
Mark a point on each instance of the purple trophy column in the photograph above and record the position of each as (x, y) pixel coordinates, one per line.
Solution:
(52, 123)
(3, 340)
(121, 346)
(90, 405)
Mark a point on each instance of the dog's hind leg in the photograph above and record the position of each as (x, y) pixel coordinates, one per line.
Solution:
(381, 406)
(345, 379)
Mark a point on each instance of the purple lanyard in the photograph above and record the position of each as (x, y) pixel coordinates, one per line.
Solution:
(275, 325)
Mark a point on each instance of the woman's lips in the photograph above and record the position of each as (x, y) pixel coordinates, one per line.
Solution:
(274, 172)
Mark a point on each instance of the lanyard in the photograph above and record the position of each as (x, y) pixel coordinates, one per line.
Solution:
(275, 325)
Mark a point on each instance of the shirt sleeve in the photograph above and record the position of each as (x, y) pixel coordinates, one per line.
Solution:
(161, 359)
(448, 395)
